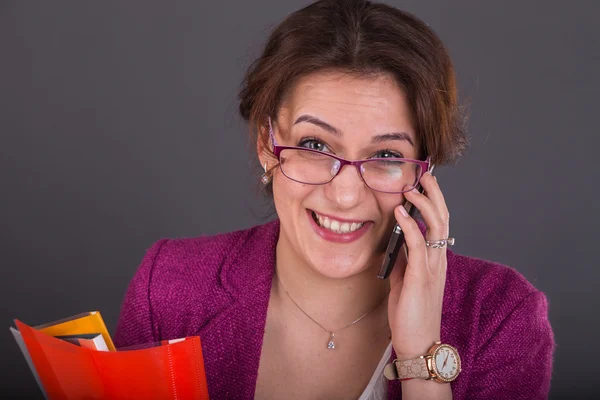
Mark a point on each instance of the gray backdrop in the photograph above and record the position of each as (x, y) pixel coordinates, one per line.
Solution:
(115, 117)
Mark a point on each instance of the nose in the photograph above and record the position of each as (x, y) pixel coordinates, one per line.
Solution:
(347, 189)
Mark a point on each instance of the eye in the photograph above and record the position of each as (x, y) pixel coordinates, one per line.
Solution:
(313, 144)
(387, 154)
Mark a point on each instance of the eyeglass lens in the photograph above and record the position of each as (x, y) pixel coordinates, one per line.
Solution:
(316, 168)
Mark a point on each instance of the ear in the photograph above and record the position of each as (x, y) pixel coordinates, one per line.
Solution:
(263, 152)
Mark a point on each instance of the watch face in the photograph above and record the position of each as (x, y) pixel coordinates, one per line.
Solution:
(446, 363)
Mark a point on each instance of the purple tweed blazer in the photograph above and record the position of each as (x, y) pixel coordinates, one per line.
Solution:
(218, 288)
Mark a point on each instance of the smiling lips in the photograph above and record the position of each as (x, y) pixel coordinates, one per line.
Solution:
(336, 230)
(337, 226)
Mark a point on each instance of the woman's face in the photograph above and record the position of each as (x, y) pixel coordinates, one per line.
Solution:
(354, 118)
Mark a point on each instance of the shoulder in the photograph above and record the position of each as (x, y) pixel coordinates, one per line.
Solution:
(482, 286)
(490, 289)
(191, 280)
(497, 317)
(200, 258)
(487, 298)
(478, 280)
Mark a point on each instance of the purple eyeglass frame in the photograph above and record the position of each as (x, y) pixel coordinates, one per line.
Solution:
(277, 149)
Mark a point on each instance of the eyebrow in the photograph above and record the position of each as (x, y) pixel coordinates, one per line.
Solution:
(393, 136)
(402, 136)
(321, 124)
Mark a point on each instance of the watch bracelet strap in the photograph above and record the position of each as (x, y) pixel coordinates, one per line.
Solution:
(408, 369)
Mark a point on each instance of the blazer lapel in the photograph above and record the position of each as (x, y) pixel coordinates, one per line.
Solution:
(236, 335)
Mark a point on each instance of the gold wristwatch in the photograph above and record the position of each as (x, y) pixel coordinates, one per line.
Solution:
(441, 363)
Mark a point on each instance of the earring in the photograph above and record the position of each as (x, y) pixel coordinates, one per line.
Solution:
(265, 177)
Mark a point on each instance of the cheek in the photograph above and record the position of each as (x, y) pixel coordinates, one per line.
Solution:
(288, 194)
(387, 203)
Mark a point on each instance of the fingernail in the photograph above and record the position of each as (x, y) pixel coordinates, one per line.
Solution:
(414, 190)
(403, 211)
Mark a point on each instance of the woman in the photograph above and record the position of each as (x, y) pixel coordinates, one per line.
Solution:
(294, 308)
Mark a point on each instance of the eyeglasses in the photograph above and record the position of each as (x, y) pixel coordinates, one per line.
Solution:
(313, 167)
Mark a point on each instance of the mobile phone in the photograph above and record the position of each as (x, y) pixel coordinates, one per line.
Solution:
(397, 239)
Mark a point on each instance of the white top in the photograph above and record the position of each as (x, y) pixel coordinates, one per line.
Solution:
(377, 387)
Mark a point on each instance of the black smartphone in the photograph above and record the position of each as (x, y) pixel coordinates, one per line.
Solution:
(397, 239)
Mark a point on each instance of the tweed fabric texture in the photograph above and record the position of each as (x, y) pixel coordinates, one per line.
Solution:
(218, 287)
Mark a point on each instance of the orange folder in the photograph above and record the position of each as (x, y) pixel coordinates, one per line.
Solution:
(84, 323)
(168, 370)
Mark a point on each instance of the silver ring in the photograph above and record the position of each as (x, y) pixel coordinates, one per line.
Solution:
(438, 244)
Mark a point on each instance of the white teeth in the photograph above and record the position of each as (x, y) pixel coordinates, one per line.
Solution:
(345, 227)
(337, 226)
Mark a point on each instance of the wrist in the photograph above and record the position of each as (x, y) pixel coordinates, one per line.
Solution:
(440, 363)
(410, 351)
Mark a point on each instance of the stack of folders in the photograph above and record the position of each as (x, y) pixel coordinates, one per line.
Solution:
(75, 358)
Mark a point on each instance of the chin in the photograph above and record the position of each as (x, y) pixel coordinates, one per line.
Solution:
(335, 263)
(339, 254)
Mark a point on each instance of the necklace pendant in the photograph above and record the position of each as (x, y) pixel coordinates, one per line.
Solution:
(331, 344)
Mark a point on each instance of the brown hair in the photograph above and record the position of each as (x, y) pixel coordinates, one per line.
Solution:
(361, 37)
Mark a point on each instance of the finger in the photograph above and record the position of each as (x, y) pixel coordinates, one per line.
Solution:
(397, 280)
(436, 226)
(414, 242)
(400, 267)
(435, 195)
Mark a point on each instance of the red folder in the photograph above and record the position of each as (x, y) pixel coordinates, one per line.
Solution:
(169, 370)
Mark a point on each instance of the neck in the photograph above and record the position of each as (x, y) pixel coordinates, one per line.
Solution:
(332, 302)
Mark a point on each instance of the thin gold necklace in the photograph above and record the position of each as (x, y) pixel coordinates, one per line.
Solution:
(330, 343)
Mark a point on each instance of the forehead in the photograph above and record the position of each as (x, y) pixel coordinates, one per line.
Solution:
(348, 100)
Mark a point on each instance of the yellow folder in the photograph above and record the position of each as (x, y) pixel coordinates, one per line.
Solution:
(85, 323)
